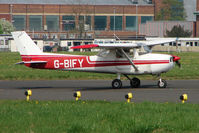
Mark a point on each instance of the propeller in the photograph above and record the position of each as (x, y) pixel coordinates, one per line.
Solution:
(178, 64)
(176, 60)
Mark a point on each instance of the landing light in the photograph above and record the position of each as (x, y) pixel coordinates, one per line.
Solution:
(184, 98)
(77, 95)
(28, 93)
(129, 96)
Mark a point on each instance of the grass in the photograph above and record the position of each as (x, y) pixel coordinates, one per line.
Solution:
(98, 116)
(190, 66)
(9, 71)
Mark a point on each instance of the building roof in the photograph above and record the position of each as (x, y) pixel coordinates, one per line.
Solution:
(77, 2)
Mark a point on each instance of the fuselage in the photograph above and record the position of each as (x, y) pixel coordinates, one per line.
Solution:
(146, 64)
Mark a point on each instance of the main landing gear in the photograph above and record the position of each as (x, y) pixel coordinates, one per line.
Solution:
(117, 83)
(135, 82)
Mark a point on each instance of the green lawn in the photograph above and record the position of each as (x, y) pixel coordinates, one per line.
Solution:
(97, 116)
(10, 71)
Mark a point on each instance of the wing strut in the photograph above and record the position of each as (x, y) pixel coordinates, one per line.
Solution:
(130, 61)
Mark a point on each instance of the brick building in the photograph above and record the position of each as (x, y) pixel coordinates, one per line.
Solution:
(81, 19)
(77, 18)
(197, 19)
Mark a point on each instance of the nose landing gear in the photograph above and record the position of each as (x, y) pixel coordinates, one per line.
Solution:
(162, 83)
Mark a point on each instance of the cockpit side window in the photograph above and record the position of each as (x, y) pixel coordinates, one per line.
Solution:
(103, 53)
(119, 53)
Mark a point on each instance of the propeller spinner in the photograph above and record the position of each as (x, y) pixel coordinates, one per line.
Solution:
(176, 60)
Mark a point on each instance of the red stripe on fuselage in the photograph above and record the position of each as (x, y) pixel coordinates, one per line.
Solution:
(75, 61)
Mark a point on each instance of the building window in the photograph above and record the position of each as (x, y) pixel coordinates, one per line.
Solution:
(118, 23)
(1, 42)
(191, 43)
(196, 43)
(100, 22)
(131, 23)
(35, 23)
(81, 20)
(19, 22)
(85, 22)
(52, 23)
(197, 18)
(69, 43)
(68, 23)
(170, 44)
(144, 19)
(88, 23)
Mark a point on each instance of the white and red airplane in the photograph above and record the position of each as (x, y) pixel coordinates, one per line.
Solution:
(113, 58)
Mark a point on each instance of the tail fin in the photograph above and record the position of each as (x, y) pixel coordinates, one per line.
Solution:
(25, 44)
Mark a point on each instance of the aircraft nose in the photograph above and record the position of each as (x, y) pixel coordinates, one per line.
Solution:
(175, 58)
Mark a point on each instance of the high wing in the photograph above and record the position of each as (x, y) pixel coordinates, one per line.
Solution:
(121, 46)
(136, 44)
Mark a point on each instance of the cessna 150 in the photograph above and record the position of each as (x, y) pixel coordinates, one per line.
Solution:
(113, 58)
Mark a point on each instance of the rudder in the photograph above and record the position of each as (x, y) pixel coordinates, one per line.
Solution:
(25, 44)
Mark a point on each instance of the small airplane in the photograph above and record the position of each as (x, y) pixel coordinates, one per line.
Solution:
(114, 58)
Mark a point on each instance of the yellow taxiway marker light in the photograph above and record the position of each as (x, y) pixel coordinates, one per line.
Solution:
(77, 95)
(129, 96)
(184, 98)
(28, 93)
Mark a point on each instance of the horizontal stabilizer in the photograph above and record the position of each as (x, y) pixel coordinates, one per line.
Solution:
(31, 62)
(85, 46)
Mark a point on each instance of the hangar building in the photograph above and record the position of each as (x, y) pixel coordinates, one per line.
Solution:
(87, 19)
(84, 18)
(77, 18)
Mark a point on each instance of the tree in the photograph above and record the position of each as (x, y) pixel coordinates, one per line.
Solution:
(1, 30)
(178, 31)
(171, 10)
(81, 13)
(6, 26)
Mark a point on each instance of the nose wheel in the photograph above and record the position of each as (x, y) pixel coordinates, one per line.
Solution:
(162, 83)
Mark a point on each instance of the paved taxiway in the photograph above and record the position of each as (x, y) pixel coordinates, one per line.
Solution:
(100, 90)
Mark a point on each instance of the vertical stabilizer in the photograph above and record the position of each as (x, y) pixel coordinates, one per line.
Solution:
(25, 44)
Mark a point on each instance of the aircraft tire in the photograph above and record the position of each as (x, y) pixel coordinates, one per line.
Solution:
(117, 84)
(162, 84)
(135, 82)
